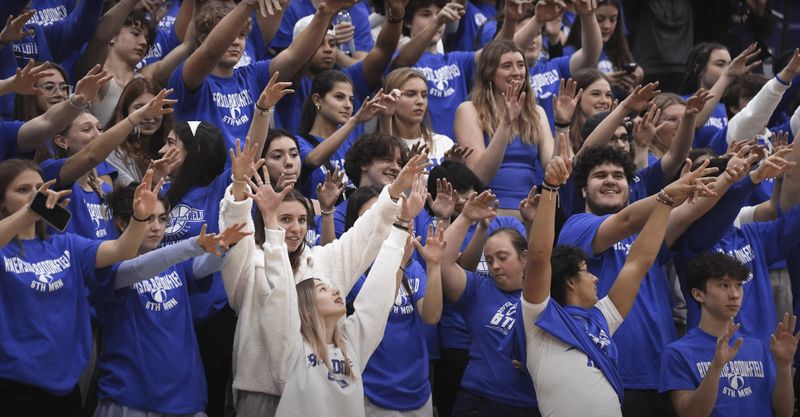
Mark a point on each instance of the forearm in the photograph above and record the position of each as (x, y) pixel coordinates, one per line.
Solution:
(508, 31)
(527, 33)
(413, 49)
(269, 25)
(603, 132)
(161, 70)
(783, 393)
(751, 120)
(591, 44)
(303, 48)
(454, 236)
(328, 234)
(701, 402)
(790, 190)
(184, 18)
(42, 128)
(124, 247)
(431, 310)
(471, 255)
(6, 86)
(679, 149)
(95, 152)
(536, 288)
(15, 223)
(149, 264)
(717, 91)
(485, 166)
(641, 160)
(329, 145)
(259, 128)
(112, 21)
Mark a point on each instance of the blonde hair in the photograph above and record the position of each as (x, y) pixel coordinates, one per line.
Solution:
(313, 329)
(395, 80)
(489, 112)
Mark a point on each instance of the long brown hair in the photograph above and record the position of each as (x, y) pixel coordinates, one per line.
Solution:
(10, 169)
(134, 149)
(258, 224)
(490, 111)
(583, 78)
(395, 80)
(25, 107)
(313, 329)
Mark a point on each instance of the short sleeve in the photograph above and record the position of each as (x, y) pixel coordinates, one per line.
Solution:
(86, 250)
(610, 313)
(562, 65)
(675, 372)
(9, 132)
(51, 168)
(470, 295)
(579, 231)
(531, 312)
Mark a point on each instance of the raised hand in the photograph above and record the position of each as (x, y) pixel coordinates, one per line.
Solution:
(267, 7)
(725, 352)
(514, 101)
(640, 97)
(583, 7)
(774, 165)
(792, 68)
(24, 81)
(480, 207)
(232, 235)
(458, 153)
(285, 180)
(209, 242)
(166, 165)
(415, 165)
(418, 148)
(566, 101)
(739, 66)
(559, 168)
(739, 163)
(549, 10)
(779, 141)
(783, 343)
(645, 130)
(434, 245)
(329, 191)
(87, 87)
(691, 184)
(389, 102)
(243, 161)
(697, 101)
(344, 32)
(146, 196)
(157, 106)
(370, 108)
(53, 197)
(14, 30)
(445, 203)
(266, 198)
(451, 12)
(415, 201)
(528, 206)
(273, 92)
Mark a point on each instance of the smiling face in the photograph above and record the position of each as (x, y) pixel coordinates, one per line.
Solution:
(325, 57)
(55, 90)
(20, 192)
(722, 297)
(174, 142)
(329, 300)
(337, 104)
(422, 18)
(381, 172)
(282, 156)
(511, 68)
(413, 102)
(606, 189)
(149, 125)
(717, 61)
(84, 129)
(596, 98)
(293, 218)
(607, 17)
(506, 265)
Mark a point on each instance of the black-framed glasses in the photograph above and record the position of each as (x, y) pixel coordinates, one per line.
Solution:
(50, 89)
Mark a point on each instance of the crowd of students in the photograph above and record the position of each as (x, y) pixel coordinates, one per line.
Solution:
(393, 208)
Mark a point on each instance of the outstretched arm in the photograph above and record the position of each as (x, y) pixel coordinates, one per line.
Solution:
(734, 70)
(413, 49)
(679, 149)
(591, 39)
(109, 26)
(381, 55)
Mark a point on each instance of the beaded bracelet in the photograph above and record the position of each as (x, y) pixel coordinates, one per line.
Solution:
(664, 198)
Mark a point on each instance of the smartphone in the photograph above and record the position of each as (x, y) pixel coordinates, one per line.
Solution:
(57, 217)
(630, 67)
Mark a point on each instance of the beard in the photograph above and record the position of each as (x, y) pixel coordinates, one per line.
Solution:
(604, 209)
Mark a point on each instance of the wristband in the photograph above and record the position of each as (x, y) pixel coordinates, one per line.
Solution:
(551, 188)
(235, 181)
(395, 19)
(562, 124)
(786, 83)
(326, 212)
(263, 110)
(133, 216)
(400, 226)
(664, 198)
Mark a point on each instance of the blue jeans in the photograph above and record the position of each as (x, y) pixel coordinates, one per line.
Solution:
(472, 405)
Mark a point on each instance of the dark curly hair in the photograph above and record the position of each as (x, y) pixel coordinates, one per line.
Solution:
(597, 155)
(372, 147)
(139, 19)
(565, 262)
(209, 16)
(713, 265)
(411, 9)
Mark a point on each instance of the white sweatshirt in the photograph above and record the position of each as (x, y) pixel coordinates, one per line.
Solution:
(249, 285)
(752, 119)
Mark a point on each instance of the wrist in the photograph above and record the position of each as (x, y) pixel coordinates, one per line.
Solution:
(395, 16)
(784, 78)
(562, 124)
(755, 177)
(140, 219)
(77, 103)
(326, 211)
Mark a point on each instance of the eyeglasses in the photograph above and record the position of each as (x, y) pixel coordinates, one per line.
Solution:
(50, 89)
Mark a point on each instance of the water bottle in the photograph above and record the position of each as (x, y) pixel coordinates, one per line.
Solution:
(348, 47)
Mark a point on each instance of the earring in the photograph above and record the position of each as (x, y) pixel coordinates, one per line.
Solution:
(317, 107)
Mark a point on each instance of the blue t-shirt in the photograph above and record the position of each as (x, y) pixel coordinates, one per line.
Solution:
(228, 103)
(150, 359)
(199, 206)
(289, 109)
(646, 182)
(46, 337)
(545, 78)
(91, 216)
(490, 314)
(757, 245)
(317, 175)
(49, 11)
(466, 38)
(449, 79)
(745, 384)
(715, 122)
(396, 376)
(648, 328)
(9, 131)
(517, 173)
(299, 9)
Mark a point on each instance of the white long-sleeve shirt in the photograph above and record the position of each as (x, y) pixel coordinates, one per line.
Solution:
(251, 293)
(752, 119)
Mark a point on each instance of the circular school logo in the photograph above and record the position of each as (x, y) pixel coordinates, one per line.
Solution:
(736, 381)
(159, 295)
(47, 279)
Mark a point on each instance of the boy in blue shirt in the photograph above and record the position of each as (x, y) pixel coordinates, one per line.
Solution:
(707, 376)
